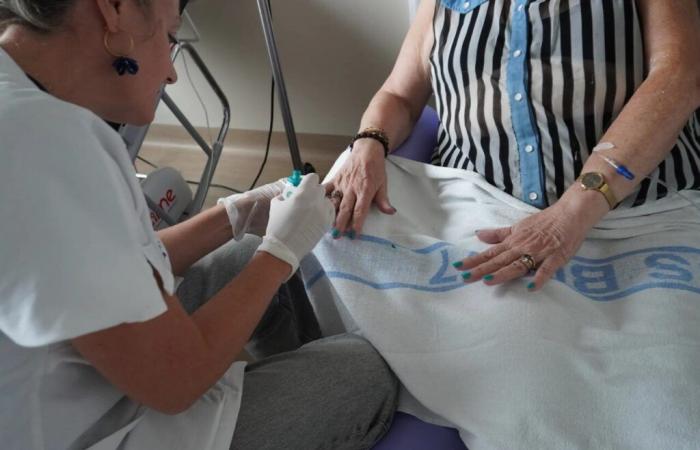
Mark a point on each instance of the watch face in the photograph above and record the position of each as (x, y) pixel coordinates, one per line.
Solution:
(592, 180)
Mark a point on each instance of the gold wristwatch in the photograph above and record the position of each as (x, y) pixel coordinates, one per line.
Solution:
(595, 181)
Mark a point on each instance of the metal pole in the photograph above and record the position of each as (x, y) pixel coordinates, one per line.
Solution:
(266, 19)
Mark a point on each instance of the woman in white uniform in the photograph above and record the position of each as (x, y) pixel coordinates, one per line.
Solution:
(96, 348)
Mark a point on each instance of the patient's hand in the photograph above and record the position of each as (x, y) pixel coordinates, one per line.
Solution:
(359, 183)
(550, 238)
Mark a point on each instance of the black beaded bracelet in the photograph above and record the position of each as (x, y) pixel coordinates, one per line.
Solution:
(373, 133)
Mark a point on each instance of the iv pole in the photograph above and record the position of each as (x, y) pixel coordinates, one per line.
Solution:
(266, 19)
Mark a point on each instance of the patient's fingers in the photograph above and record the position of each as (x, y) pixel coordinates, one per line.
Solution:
(494, 236)
(510, 272)
(342, 220)
(360, 182)
(336, 200)
(491, 266)
(335, 196)
(546, 271)
(382, 201)
(365, 199)
(359, 214)
(473, 261)
(548, 239)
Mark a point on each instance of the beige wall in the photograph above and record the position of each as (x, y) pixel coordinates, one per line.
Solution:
(335, 55)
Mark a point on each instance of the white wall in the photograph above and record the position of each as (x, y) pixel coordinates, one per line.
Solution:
(335, 55)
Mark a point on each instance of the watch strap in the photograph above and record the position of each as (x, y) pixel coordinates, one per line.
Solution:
(609, 196)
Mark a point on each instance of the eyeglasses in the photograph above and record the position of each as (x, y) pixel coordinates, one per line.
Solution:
(173, 41)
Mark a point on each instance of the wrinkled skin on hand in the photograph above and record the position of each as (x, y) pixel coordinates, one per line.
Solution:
(551, 237)
(363, 182)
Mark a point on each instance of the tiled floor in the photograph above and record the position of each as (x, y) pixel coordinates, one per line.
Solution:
(241, 158)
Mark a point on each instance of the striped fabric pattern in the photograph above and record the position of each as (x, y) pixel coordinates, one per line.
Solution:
(526, 88)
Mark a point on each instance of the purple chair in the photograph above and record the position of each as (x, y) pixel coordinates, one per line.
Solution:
(420, 144)
(408, 432)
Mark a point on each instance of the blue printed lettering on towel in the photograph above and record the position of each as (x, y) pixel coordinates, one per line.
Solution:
(625, 274)
(604, 279)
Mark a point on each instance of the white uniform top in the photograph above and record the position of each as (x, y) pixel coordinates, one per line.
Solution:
(76, 256)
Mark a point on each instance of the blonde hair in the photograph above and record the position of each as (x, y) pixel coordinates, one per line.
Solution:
(40, 15)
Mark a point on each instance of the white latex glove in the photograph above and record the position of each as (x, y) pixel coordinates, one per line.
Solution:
(248, 212)
(298, 220)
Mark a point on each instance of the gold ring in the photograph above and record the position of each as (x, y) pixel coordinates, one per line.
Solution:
(337, 194)
(528, 262)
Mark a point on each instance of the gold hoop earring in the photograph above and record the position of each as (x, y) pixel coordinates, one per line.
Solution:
(122, 63)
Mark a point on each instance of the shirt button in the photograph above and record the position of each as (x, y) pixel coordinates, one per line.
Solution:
(521, 7)
(467, 4)
(517, 53)
(518, 97)
(529, 148)
(533, 196)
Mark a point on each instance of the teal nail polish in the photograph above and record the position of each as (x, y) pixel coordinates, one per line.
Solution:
(350, 234)
(531, 286)
(457, 264)
(488, 277)
(466, 275)
(335, 233)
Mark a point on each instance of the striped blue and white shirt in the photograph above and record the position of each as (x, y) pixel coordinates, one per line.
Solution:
(526, 88)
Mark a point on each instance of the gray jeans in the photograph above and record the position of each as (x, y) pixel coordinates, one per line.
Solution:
(305, 393)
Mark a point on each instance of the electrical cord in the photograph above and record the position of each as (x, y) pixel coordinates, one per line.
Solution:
(272, 121)
(269, 135)
(145, 161)
(211, 140)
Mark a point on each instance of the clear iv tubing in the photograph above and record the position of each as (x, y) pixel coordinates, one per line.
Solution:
(625, 172)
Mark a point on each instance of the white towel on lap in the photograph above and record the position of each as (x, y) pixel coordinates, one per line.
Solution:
(607, 356)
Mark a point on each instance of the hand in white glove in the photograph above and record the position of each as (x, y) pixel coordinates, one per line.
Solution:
(248, 212)
(298, 220)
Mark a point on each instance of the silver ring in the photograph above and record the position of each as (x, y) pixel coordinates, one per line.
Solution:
(528, 262)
